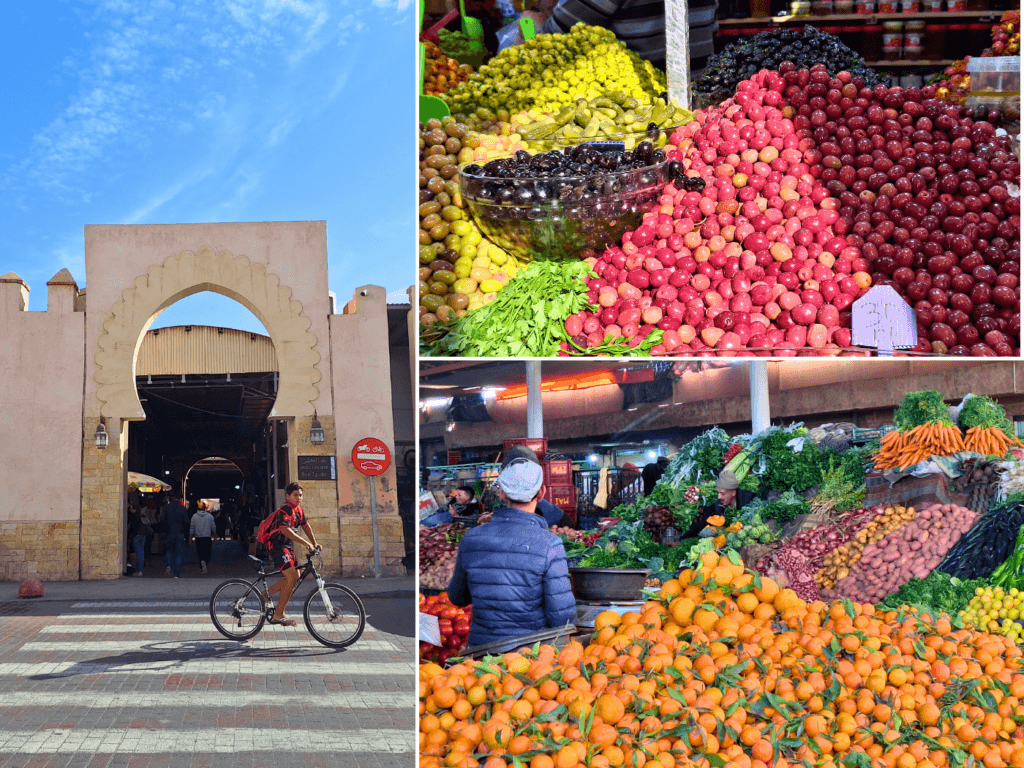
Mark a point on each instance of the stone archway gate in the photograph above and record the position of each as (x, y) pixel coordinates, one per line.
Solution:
(277, 270)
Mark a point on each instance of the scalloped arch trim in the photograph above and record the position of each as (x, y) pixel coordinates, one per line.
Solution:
(220, 272)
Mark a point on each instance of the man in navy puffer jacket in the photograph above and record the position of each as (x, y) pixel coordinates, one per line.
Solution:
(512, 569)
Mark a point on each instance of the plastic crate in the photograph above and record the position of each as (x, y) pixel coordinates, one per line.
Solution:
(538, 445)
(993, 79)
(558, 472)
(562, 496)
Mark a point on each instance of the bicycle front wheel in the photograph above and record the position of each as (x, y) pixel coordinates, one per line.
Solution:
(237, 609)
(334, 616)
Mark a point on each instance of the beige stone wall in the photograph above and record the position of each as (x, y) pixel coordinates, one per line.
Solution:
(41, 369)
(319, 497)
(44, 550)
(103, 500)
(361, 373)
(293, 253)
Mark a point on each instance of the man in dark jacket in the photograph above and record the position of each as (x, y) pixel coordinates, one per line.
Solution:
(552, 515)
(729, 497)
(512, 569)
(176, 525)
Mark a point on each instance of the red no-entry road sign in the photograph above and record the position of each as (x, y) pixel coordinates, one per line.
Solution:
(371, 457)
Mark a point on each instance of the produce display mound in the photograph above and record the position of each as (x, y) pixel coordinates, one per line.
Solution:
(550, 72)
(801, 193)
(727, 668)
(747, 56)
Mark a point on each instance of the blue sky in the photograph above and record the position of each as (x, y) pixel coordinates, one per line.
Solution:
(147, 112)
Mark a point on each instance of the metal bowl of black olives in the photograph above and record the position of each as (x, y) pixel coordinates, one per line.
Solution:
(557, 204)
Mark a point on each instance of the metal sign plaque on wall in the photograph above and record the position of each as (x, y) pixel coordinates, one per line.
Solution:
(318, 468)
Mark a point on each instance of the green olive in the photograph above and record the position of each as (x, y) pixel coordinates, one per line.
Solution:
(451, 213)
(425, 238)
(429, 222)
(440, 232)
(427, 254)
(428, 208)
(445, 276)
(439, 288)
(431, 301)
(425, 273)
(443, 199)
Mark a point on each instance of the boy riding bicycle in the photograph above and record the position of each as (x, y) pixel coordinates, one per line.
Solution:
(283, 532)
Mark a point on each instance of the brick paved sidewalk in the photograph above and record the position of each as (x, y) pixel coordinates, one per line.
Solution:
(137, 683)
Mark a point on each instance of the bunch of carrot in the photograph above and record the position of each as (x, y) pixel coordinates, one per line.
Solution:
(905, 449)
(990, 441)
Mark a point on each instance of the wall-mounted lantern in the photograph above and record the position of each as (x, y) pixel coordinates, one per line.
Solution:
(101, 434)
(316, 431)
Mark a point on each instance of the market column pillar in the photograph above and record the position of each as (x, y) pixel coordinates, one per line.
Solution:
(102, 499)
(534, 400)
(760, 407)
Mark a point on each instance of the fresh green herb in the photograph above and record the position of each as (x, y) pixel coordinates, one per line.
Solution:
(917, 408)
(937, 592)
(981, 411)
(837, 492)
(698, 461)
(527, 319)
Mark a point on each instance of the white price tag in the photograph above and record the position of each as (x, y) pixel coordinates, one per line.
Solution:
(430, 630)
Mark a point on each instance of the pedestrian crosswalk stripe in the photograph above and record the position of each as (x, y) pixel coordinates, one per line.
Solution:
(89, 646)
(206, 698)
(204, 741)
(218, 664)
(191, 626)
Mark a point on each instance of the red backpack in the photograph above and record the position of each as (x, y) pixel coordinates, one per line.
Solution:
(268, 529)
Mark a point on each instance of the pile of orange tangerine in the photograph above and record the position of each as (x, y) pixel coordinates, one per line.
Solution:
(725, 670)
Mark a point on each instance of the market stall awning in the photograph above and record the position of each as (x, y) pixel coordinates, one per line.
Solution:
(140, 482)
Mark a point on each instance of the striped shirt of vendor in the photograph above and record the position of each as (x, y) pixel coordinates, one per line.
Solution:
(640, 24)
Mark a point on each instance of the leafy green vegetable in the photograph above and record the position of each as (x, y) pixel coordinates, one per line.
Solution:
(981, 411)
(793, 461)
(837, 489)
(917, 408)
(628, 545)
(781, 510)
(699, 460)
(527, 319)
(936, 592)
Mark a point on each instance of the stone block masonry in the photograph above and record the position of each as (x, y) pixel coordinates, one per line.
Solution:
(101, 502)
(46, 551)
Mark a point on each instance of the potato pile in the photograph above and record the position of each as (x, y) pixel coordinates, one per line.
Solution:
(912, 551)
(839, 561)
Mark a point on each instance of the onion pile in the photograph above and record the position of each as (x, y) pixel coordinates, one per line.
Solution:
(814, 189)
(804, 555)
(438, 549)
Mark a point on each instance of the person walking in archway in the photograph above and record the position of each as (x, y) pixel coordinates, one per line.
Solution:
(176, 525)
(201, 531)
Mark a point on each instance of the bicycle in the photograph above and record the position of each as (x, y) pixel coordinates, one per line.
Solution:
(333, 613)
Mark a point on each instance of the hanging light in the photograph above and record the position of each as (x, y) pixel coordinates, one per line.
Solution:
(101, 434)
(316, 431)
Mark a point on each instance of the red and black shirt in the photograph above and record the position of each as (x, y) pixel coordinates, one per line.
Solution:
(285, 517)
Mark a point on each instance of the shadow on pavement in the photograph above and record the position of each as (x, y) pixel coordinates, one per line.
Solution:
(394, 615)
(175, 653)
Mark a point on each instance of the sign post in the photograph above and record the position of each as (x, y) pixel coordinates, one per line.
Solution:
(371, 457)
(882, 319)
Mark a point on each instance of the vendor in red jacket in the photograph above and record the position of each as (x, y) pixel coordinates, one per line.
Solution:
(512, 569)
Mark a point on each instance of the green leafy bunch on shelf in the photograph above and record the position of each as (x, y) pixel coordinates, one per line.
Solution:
(918, 408)
(981, 411)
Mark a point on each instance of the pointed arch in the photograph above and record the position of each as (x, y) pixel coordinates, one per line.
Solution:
(220, 272)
